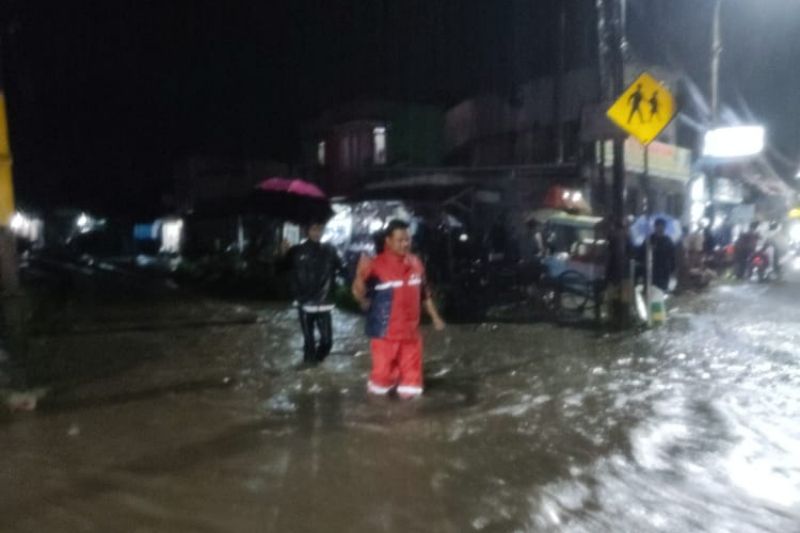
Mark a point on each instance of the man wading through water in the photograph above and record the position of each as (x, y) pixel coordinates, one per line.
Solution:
(314, 268)
(392, 289)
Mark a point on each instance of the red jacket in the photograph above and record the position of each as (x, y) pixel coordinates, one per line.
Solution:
(396, 287)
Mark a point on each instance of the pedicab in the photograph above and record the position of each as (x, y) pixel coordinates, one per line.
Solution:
(574, 267)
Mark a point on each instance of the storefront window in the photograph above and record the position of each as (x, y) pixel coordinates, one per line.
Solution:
(321, 153)
(379, 144)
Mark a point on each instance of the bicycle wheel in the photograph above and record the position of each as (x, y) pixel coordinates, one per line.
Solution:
(573, 292)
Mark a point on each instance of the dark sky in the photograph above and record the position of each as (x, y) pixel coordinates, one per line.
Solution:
(106, 94)
(759, 79)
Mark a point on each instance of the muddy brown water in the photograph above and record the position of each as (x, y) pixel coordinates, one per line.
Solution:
(189, 416)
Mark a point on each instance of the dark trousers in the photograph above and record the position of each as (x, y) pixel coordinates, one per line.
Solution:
(314, 352)
(661, 280)
(740, 263)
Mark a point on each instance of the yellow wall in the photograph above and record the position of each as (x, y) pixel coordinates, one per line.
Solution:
(6, 183)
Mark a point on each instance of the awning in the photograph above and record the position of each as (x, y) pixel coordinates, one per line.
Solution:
(428, 188)
(563, 218)
(665, 161)
(767, 184)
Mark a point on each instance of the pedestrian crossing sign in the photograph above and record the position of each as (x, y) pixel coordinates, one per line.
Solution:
(644, 109)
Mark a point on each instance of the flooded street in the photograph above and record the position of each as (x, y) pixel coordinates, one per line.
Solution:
(187, 415)
(174, 174)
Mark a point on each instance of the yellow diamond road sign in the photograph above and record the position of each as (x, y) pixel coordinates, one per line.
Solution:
(644, 109)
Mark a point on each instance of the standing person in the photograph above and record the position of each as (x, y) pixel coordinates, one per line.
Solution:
(392, 289)
(313, 279)
(663, 255)
(777, 241)
(709, 239)
(532, 252)
(533, 249)
(695, 248)
(498, 240)
(745, 247)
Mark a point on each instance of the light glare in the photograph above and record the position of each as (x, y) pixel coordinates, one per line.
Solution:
(737, 141)
(794, 233)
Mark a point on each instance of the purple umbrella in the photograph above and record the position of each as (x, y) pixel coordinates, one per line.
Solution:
(291, 186)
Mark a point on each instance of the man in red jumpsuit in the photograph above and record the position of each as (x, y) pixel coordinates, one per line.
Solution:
(392, 289)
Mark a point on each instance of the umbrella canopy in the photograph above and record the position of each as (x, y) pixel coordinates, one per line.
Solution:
(644, 226)
(291, 186)
(280, 198)
(291, 199)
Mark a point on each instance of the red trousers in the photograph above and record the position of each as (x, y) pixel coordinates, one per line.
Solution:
(396, 364)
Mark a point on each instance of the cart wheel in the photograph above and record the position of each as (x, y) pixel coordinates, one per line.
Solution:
(550, 296)
(572, 294)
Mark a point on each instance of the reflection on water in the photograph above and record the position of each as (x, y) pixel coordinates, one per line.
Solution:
(523, 428)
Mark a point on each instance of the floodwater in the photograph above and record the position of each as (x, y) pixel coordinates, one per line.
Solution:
(187, 415)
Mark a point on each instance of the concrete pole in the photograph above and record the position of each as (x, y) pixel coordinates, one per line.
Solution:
(558, 86)
(716, 52)
(621, 295)
(604, 93)
(603, 61)
(12, 333)
(611, 59)
(618, 45)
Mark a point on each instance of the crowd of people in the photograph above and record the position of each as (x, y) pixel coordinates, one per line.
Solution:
(707, 254)
(392, 287)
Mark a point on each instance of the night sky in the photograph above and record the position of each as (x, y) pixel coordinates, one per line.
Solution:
(105, 95)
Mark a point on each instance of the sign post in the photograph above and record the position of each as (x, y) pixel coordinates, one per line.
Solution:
(643, 110)
(648, 246)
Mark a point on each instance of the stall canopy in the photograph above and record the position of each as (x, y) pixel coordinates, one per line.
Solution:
(280, 198)
(562, 218)
(438, 188)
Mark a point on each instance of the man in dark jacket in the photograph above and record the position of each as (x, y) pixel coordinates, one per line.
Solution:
(746, 245)
(663, 256)
(313, 279)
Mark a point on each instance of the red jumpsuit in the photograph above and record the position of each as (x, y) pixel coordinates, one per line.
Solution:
(396, 288)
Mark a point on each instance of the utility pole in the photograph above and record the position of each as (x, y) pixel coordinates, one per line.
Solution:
(716, 53)
(617, 55)
(604, 92)
(558, 86)
(12, 333)
(612, 49)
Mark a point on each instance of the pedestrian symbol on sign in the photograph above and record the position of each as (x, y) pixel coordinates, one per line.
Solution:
(654, 106)
(635, 101)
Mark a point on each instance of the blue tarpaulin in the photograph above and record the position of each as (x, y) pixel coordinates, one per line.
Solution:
(146, 232)
(645, 225)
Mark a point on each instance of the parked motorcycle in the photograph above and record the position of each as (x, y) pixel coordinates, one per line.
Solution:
(760, 266)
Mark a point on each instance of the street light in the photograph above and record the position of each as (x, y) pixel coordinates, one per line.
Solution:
(735, 141)
(83, 222)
